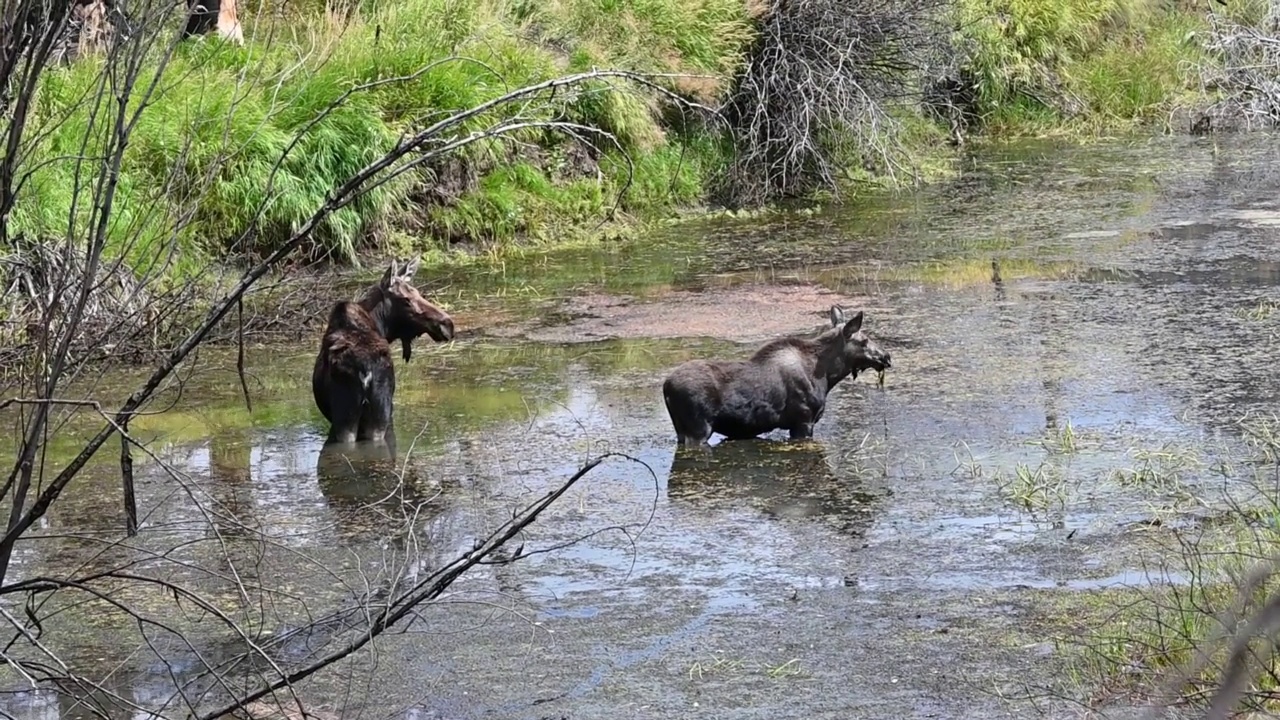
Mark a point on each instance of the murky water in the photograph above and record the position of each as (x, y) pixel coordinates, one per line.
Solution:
(1030, 424)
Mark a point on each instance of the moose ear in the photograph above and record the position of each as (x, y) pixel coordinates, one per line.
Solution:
(409, 268)
(854, 325)
(390, 274)
(837, 315)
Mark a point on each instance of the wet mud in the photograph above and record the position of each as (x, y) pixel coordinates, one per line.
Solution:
(736, 313)
(1046, 420)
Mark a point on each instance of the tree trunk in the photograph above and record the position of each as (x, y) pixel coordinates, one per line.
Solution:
(206, 15)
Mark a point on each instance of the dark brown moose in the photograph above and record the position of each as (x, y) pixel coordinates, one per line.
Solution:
(783, 385)
(354, 379)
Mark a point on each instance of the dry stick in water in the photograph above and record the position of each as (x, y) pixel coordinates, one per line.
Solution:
(126, 479)
(244, 385)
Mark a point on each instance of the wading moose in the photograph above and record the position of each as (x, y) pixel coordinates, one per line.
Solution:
(783, 385)
(354, 379)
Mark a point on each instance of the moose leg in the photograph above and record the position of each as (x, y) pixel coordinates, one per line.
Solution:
(690, 427)
(376, 417)
(344, 399)
(698, 434)
(807, 416)
(802, 431)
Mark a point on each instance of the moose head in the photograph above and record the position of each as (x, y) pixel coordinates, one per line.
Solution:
(400, 310)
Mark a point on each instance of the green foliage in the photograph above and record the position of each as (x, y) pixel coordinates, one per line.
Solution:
(1016, 48)
(1033, 63)
(708, 36)
(205, 170)
(1138, 78)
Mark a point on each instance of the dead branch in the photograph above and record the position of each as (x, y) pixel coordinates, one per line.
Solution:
(426, 590)
(1245, 73)
(814, 99)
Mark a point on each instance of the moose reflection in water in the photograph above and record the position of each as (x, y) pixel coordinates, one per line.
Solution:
(369, 488)
(784, 385)
(354, 379)
(784, 480)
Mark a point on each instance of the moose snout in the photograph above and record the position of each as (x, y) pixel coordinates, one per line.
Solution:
(442, 331)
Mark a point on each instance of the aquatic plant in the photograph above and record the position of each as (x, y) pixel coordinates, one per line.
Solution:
(1034, 489)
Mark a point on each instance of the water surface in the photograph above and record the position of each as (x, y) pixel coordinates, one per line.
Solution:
(1033, 422)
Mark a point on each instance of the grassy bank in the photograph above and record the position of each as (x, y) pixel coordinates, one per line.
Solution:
(203, 157)
(1080, 66)
(1210, 571)
(202, 165)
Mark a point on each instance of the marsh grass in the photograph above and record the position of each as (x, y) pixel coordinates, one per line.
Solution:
(1045, 67)
(1062, 440)
(203, 165)
(1261, 434)
(721, 666)
(1035, 489)
(1141, 641)
(1138, 639)
(1262, 310)
(1164, 469)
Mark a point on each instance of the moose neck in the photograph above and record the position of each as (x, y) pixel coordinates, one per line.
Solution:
(378, 305)
(831, 364)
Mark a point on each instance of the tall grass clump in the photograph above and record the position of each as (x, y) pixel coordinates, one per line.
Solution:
(1030, 65)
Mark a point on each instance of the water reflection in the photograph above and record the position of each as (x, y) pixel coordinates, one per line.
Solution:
(782, 479)
(354, 475)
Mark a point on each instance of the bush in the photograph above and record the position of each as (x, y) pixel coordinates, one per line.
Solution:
(816, 96)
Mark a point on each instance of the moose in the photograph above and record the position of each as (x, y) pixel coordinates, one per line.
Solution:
(783, 385)
(354, 379)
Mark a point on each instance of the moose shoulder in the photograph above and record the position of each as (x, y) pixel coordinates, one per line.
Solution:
(354, 379)
(784, 385)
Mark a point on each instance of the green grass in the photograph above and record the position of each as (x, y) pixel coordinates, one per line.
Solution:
(1044, 67)
(1135, 639)
(203, 166)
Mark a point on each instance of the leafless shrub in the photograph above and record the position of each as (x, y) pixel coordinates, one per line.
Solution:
(1245, 72)
(817, 93)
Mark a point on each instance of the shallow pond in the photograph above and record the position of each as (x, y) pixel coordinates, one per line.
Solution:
(1036, 420)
